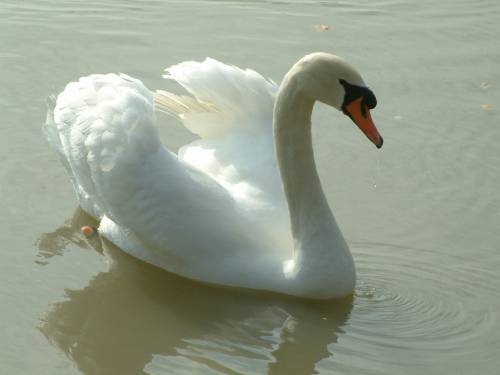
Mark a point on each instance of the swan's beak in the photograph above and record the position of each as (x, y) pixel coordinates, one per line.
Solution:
(360, 114)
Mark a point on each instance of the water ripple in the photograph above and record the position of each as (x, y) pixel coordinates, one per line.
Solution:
(417, 301)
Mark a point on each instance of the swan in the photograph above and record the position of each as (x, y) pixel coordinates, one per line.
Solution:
(242, 205)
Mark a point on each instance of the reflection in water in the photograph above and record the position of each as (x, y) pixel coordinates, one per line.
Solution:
(138, 319)
(429, 310)
(54, 243)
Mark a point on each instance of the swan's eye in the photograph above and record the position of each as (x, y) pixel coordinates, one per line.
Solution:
(369, 99)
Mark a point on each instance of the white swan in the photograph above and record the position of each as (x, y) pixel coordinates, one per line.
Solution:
(217, 212)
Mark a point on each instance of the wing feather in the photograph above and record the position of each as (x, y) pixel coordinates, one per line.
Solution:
(231, 109)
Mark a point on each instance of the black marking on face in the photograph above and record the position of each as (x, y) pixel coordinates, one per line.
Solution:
(353, 92)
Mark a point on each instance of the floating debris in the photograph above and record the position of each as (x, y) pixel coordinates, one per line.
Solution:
(484, 85)
(487, 106)
(321, 28)
(87, 230)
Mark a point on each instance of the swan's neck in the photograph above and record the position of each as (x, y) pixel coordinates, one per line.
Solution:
(292, 133)
(320, 253)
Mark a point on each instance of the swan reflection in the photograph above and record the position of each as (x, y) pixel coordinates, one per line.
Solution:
(137, 319)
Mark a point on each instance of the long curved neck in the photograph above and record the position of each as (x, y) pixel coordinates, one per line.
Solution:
(320, 248)
(293, 142)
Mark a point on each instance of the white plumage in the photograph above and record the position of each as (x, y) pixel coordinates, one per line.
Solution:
(216, 212)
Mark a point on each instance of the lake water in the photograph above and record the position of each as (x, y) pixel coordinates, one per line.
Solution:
(422, 216)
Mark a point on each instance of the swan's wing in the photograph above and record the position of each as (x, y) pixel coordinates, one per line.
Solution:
(152, 204)
(88, 126)
(225, 98)
(231, 110)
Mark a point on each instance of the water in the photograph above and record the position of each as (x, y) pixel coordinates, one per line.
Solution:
(425, 240)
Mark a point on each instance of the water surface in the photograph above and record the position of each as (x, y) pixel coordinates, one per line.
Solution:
(422, 216)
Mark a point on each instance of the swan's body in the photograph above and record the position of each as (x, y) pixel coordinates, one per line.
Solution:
(220, 211)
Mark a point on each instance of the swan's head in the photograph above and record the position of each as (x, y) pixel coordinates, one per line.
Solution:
(331, 80)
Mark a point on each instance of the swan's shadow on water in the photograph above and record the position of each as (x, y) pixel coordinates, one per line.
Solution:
(136, 312)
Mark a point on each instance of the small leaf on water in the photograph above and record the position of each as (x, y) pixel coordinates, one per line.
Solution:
(322, 28)
(484, 85)
(487, 106)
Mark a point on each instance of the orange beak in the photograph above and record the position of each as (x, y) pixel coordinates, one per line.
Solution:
(360, 114)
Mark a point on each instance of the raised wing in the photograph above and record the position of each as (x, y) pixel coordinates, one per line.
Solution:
(231, 109)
